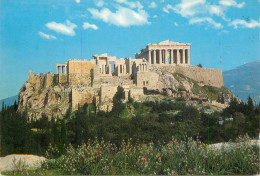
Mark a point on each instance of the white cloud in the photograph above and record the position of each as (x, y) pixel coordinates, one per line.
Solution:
(223, 32)
(198, 12)
(155, 16)
(135, 4)
(87, 25)
(46, 36)
(67, 28)
(99, 3)
(176, 24)
(188, 8)
(205, 20)
(153, 5)
(77, 1)
(216, 10)
(231, 3)
(167, 8)
(122, 17)
(244, 24)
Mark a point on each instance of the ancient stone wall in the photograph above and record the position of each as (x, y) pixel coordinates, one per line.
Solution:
(146, 79)
(41, 80)
(81, 96)
(63, 78)
(107, 93)
(80, 71)
(136, 93)
(204, 76)
(49, 80)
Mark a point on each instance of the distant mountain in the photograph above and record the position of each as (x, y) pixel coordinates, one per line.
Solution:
(244, 81)
(9, 101)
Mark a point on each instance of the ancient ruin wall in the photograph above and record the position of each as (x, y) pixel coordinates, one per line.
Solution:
(81, 96)
(80, 72)
(204, 76)
(147, 79)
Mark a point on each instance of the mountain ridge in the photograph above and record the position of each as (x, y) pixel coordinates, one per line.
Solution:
(244, 80)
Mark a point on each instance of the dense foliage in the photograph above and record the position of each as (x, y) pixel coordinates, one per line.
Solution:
(156, 121)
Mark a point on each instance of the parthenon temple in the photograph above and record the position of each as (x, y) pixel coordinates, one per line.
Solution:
(166, 52)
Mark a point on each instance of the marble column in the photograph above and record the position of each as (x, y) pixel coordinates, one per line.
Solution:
(154, 57)
(97, 60)
(149, 56)
(166, 56)
(124, 69)
(172, 58)
(109, 69)
(181, 57)
(57, 69)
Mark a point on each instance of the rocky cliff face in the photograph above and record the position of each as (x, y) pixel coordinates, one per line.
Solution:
(42, 94)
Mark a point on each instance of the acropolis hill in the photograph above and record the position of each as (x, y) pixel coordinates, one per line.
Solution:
(163, 66)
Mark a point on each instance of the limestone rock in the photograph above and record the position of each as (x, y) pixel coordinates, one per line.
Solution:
(8, 162)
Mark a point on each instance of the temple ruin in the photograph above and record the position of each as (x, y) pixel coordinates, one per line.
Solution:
(96, 80)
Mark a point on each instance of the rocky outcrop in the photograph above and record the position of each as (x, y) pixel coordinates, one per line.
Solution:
(41, 95)
(11, 162)
(46, 95)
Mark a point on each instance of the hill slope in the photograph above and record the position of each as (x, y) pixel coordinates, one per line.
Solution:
(244, 80)
(9, 101)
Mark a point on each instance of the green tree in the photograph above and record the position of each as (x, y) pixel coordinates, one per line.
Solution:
(117, 101)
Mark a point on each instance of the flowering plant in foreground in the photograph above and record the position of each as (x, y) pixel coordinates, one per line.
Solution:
(182, 157)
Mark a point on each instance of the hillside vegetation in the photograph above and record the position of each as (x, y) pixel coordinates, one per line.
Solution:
(151, 125)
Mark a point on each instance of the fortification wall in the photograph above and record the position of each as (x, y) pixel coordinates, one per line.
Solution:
(136, 93)
(80, 71)
(204, 76)
(81, 96)
(107, 93)
(42, 81)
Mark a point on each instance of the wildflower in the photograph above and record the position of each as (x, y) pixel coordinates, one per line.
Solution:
(83, 156)
(145, 160)
(189, 169)
(144, 156)
(170, 141)
(159, 157)
(99, 149)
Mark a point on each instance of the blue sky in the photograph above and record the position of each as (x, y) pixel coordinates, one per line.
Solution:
(35, 35)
